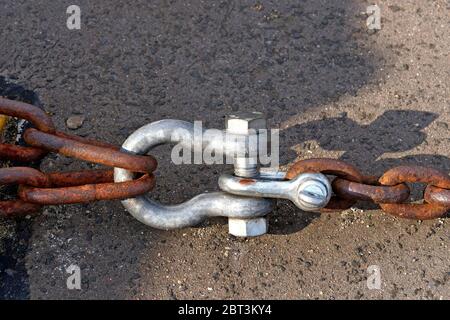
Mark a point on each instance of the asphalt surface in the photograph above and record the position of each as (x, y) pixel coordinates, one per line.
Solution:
(335, 89)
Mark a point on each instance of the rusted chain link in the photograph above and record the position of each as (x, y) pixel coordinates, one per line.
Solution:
(365, 192)
(33, 114)
(87, 186)
(390, 191)
(17, 208)
(37, 188)
(437, 195)
(21, 154)
(89, 152)
(414, 174)
(332, 167)
(20, 175)
(21, 110)
(23, 175)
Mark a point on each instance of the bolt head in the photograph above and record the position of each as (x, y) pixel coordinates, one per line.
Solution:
(310, 191)
(247, 227)
(313, 193)
(242, 123)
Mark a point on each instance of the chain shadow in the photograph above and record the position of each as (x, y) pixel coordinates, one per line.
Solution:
(363, 145)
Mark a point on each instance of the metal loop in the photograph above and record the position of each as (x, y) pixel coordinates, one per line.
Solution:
(424, 211)
(17, 208)
(195, 210)
(379, 194)
(18, 175)
(87, 186)
(22, 110)
(23, 175)
(294, 189)
(437, 196)
(37, 117)
(333, 167)
(20, 153)
(414, 174)
(70, 147)
(198, 208)
(325, 166)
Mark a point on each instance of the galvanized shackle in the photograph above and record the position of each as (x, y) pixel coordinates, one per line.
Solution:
(308, 191)
(198, 208)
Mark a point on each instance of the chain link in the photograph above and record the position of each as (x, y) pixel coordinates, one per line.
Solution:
(37, 188)
(390, 191)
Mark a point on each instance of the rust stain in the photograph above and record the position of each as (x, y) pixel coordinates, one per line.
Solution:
(246, 181)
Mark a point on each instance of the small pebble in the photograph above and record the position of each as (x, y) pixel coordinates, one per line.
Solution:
(75, 122)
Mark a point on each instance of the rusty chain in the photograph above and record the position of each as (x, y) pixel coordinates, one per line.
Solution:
(389, 191)
(35, 188)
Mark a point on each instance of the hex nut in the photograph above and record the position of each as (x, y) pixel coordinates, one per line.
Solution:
(247, 227)
(241, 123)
